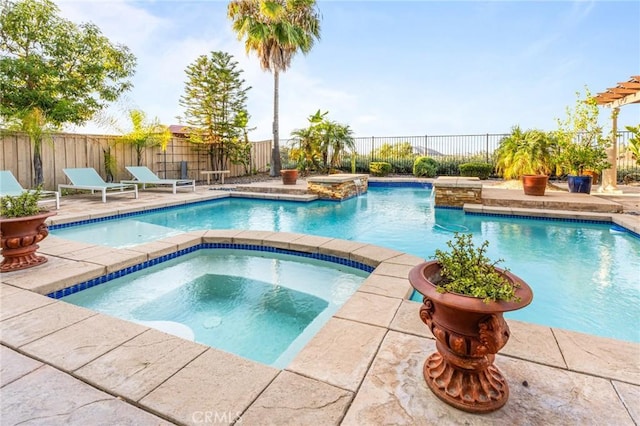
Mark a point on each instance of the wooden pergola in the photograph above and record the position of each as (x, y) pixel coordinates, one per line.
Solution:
(624, 93)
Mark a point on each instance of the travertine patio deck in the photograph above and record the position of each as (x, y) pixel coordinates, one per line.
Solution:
(62, 364)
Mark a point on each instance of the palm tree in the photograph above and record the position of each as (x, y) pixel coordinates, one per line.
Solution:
(525, 153)
(335, 139)
(276, 30)
(145, 134)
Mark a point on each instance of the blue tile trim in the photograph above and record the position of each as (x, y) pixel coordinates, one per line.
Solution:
(427, 185)
(204, 246)
(449, 208)
(614, 227)
(131, 214)
(545, 219)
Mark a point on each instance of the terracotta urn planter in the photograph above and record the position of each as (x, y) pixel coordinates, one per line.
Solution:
(534, 184)
(595, 176)
(19, 241)
(469, 332)
(289, 176)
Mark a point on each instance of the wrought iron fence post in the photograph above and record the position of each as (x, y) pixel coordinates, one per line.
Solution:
(487, 150)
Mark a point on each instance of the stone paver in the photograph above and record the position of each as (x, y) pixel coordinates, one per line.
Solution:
(18, 302)
(371, 254)
(74, 346)
(393, 270)
(118, 259)
(33, 325)
(282, 240)
(295, 400)
(214, 385)
(220, 235)
(600, 356)
(184, 241)
(340, 353)
(370, 309)
(155, 249)
(251, 237)
(385, 285)
(60, 273)
(140, 365)
(309, 243)
(533, 342)
(407, 320)
(630, 396)
(340, 248)
(406, 259)
(15, 365)
(49, 397)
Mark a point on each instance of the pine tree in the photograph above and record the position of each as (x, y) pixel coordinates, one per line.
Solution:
(215, 95)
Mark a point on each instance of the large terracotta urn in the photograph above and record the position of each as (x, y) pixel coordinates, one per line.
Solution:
(468, 332)
(534, 184)
(19, 238)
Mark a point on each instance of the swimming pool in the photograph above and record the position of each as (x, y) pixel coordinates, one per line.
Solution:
(261, 305)
(576, 269)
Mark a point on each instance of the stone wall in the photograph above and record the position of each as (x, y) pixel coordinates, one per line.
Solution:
(338, 187)
(455, 192)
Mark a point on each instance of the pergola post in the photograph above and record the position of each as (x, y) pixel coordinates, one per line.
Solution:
(627, 92)
(610, 176)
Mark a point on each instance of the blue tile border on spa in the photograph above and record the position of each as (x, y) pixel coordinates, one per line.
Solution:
(204, 246)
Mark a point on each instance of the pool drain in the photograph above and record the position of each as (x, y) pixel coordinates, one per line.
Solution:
(212, 322)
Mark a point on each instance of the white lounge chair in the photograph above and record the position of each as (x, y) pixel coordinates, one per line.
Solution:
(9, 185)
(88, 179)
(145, 176)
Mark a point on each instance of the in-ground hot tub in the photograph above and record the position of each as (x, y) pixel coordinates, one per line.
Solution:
(261, 305)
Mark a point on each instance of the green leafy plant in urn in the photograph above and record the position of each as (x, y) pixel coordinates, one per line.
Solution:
(464, 297)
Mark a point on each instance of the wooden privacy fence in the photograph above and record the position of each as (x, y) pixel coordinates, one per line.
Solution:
(67, 150)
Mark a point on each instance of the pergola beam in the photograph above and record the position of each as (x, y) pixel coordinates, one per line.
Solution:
(624, 93)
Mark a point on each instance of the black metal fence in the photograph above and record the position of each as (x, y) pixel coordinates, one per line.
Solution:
(449, 150)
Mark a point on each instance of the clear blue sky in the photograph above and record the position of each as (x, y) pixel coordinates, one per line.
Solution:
(390, 68)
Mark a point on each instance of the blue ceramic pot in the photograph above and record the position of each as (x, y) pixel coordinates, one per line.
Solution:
(581, 184)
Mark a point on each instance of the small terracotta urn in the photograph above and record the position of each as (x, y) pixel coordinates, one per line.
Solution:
(289, 176)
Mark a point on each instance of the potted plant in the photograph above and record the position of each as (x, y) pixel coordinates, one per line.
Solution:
(22, 224)
(465, 295)
(583, 149)
(528, 156)
(289, 176)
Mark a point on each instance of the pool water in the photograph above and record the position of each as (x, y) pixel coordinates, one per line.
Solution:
(262, 306)
(577, 270)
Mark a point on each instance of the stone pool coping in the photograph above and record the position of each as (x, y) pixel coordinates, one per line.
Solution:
(363, 367)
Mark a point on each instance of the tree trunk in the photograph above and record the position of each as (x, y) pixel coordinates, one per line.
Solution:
(38, 178)
(276, 165)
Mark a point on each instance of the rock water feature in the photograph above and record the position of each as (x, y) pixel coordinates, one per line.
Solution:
(338, 187)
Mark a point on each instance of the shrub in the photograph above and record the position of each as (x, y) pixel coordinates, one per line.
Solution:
(379, 168)
(23, 205)
(425, 166)
(449, 167)
(467, 270)
(401, 165)
(481, 170)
